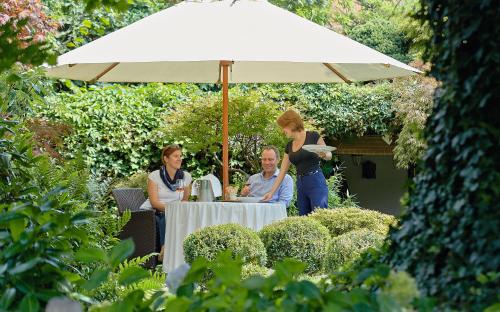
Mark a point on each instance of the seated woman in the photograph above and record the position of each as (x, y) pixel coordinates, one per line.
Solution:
(168, 184)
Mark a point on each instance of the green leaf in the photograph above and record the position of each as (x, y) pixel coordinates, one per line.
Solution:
(93, 254)
(217, 303)
(23, 267)
(7, 298)
(387, 303)
(178, 304)
(254, 282)
(81, 218)
(196, 271)
(77, 233)
(16, 226)
(157, 300)
(132, 275)
(3, 268)
(121, 252)
(96, 279)
(493, 308)
(87, 23)
(29, 304)
(6, 217)
(289, 267)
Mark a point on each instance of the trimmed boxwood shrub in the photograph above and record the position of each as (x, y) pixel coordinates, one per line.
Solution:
(300, 238)
(251, 269)
(137, 180)
(210, 241)
(345, 248)
(342, 220)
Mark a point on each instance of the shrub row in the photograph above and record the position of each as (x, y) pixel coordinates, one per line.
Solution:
(299, 238)
(210, 241)
(325, 241)
(343, 220)
(347, 247)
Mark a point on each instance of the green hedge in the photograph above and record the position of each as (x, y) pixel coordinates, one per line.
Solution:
(344, 110)
(342, 220)
(115, 127)
(210, 241)
(300, 238)
(252, 269)
(347, 247)
(449, 238)
(137, 180)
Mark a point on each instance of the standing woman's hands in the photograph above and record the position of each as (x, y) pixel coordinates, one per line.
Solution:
(323, 155)
(245, 190)
(267, 197)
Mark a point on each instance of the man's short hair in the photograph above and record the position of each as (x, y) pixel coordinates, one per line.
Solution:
(272, 148)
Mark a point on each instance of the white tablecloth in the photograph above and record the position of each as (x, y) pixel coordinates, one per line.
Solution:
(183, 218)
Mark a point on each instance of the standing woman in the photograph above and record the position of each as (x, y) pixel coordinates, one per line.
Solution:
(312, 191)
(168, 184)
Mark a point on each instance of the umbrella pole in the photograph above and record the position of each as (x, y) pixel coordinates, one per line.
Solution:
(225, 126)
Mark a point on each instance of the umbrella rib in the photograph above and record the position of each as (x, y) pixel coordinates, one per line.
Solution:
(336, 72)
(104, 72)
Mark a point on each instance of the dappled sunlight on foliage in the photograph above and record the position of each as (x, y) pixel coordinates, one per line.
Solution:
(448, 239)
(412, 106)
(252, 125)
(115, 127)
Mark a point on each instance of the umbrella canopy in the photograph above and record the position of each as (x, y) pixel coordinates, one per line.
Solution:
(185, 43)
(233, 41)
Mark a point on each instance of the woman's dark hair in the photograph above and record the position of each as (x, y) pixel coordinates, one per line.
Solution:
(168, 150)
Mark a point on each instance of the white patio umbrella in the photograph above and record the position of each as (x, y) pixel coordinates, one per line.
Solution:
(228, 41)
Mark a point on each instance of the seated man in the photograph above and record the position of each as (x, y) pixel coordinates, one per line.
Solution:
(261, 183)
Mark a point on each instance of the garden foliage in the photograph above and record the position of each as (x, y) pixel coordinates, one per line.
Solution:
(347, 247)
(79, 25)
(299, 238)
(343, 110)
(24, 28)
(383, 35)
(379, 24)
(284, 290)
(252, 125)
(449, 237)
(115, 127)
(345, 219)
(208, 242)
(46, 214)
(412, 106)
(317, 11)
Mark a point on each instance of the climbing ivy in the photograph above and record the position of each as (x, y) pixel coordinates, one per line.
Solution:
(449, 237)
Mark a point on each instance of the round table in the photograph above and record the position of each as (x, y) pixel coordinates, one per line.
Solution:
(184, 218)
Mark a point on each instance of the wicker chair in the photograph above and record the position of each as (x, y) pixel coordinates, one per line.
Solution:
(141, 226)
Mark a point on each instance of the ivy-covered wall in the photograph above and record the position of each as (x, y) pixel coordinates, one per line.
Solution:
(449, 239)
(115, 128)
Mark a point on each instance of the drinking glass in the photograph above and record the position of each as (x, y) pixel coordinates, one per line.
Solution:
(179, 187)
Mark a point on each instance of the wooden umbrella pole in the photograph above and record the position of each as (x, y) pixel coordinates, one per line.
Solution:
(225, 126)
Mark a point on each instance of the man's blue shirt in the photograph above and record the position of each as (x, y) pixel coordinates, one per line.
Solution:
(259, 186)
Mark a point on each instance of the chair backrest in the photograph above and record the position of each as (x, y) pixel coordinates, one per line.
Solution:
(129, 198)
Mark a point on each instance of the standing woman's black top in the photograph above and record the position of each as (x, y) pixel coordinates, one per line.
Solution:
(303, 160)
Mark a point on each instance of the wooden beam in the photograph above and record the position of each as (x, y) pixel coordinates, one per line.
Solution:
(110, 67)
(336, 72)
(225, 126)
(365, 145)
